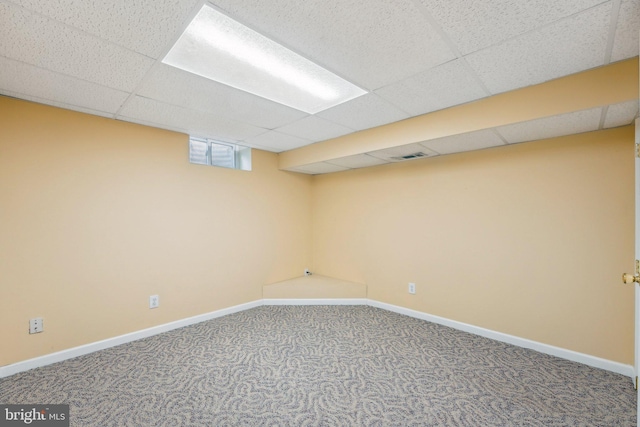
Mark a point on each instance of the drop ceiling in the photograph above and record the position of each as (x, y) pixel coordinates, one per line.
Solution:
(413, 57)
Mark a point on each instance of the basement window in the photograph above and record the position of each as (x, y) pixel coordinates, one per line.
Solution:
(221, 154)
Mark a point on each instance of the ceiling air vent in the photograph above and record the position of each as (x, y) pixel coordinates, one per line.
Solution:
(415, 155)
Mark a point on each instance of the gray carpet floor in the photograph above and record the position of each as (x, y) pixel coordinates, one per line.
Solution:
(325, 366)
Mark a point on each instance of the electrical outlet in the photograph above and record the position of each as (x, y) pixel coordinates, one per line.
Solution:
(36, 325)
(154, 301)
(412, 288)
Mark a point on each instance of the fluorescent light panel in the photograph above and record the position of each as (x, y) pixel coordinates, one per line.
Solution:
(218, 48)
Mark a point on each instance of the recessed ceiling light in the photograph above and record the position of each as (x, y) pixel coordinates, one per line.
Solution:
(218, 48)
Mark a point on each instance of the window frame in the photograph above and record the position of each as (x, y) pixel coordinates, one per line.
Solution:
(241, 155)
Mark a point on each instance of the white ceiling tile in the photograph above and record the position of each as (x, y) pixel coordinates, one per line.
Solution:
(318, 168)
(621, 114)
(465, 142)
(372, 43)
(145, 26)
(550, 127)
(49, 87)
(55, 104)
(39, 41)
(196, 123)
(357, 161)
(562, 48)
(364, 112)
(85, 54)
(440, 87)
(389, 154)
(174, 86)
(276, 141)
(626, 43)
(475, 25)
(315, 129)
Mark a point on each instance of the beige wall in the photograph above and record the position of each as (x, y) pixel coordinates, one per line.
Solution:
(529, 240)
(96, 215)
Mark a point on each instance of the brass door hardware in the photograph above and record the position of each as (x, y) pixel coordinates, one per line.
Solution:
(629, 278)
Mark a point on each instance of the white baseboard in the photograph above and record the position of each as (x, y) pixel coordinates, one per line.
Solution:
(59, 356)
(574, 356)
(315, 301)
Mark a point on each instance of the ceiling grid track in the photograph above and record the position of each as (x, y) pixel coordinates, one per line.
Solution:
(445, 37)
(435, 71)
(615, 11)
(158, 60)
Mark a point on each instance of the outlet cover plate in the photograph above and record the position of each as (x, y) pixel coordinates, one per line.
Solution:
(412, 288)
(36, 325)
(154, 301)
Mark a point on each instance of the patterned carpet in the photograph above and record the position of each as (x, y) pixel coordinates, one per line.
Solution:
(325, 366)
